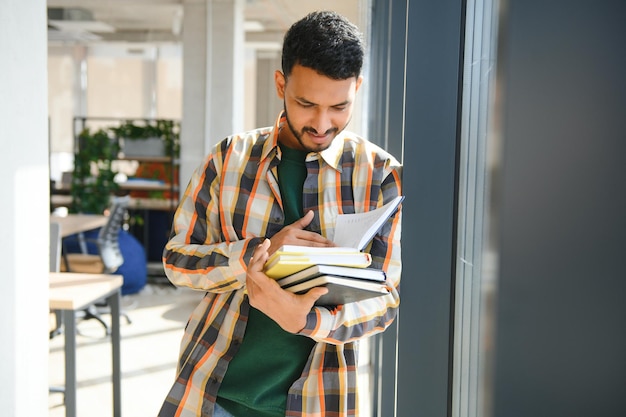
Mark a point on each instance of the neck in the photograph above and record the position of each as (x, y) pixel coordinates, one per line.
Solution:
(287, 138)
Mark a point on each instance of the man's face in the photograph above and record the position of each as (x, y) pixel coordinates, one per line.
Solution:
(317, 107)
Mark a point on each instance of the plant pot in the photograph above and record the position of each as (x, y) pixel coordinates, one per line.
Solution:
(143, 147)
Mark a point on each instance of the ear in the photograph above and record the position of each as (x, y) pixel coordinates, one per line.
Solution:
(279, 81)
(358, 83)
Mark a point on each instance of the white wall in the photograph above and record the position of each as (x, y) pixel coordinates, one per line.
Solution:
(24, 211)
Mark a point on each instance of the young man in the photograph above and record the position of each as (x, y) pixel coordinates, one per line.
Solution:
(251, 348)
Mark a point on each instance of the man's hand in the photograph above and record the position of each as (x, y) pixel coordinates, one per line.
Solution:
(285, 308)
(294, 234)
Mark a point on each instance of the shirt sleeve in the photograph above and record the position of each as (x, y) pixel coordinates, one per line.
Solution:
(196, 255)
(349, 322)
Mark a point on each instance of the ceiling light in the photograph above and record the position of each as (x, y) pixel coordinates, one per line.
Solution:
(76, 20)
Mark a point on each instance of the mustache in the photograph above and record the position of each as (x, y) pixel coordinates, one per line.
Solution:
(314, 131)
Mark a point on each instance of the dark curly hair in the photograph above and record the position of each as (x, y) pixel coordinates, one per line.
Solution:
(326, 42)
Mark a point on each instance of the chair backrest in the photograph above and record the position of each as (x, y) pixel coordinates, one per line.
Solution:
(108, 237)
(55, 247)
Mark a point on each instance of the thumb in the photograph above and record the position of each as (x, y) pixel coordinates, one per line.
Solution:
(315, 293)
(304, 221)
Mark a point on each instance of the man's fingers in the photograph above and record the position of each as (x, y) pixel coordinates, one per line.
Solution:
(303, 236)
(315, 293)
(320, 242)
(294, 234)
(304, 221)
(263, 246)
(259, 256)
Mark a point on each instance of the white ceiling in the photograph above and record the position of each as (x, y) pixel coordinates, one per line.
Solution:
(160, 20)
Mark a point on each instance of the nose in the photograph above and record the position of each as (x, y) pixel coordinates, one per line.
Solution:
(322, 122)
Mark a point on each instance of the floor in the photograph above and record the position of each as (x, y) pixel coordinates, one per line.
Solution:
(149, 350)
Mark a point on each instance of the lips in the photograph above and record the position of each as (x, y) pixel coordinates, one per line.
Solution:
(318, 139)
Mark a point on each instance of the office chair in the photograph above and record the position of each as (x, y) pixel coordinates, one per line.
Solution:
(108, 259)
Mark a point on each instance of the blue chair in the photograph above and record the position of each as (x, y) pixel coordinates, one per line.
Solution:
(102, 252)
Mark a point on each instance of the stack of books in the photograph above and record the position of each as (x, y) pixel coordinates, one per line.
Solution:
(343, 269)
(345, 284)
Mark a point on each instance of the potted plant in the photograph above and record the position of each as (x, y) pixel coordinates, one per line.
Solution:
(152, 138)
(93, 177)
(92, 181)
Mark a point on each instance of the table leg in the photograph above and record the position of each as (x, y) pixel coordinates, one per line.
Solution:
(114, 302)
(69, 319)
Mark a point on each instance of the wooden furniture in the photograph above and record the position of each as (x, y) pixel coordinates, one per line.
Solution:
(136, 203)
(76, 223)
(108, 257)
(70, 293)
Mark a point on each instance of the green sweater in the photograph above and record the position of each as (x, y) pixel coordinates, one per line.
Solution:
(269, 359)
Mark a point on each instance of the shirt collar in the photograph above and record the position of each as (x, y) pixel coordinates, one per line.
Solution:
(270, 148)
(331, 155)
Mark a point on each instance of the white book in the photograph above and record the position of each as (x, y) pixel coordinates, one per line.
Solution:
(356, 230)
(368, 274)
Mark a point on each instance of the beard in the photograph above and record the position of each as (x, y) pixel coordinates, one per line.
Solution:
(298, 134)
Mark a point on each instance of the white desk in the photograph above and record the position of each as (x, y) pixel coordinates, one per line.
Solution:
(71, 292)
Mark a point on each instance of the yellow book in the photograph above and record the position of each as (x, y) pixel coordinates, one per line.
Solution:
(290, 259)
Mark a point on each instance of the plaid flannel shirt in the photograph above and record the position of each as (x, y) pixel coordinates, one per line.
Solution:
(230, 205)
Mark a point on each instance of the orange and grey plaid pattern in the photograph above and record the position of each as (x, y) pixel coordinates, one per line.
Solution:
(231, 204)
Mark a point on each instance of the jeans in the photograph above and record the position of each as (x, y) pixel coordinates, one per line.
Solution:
(220, 412)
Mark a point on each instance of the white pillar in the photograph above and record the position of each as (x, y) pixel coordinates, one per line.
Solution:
(25, 208)
(213, 55)
(268, 105)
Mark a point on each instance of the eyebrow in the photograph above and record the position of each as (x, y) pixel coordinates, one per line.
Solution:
(305, 101)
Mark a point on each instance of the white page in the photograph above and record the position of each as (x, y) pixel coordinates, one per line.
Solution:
(356, 230)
